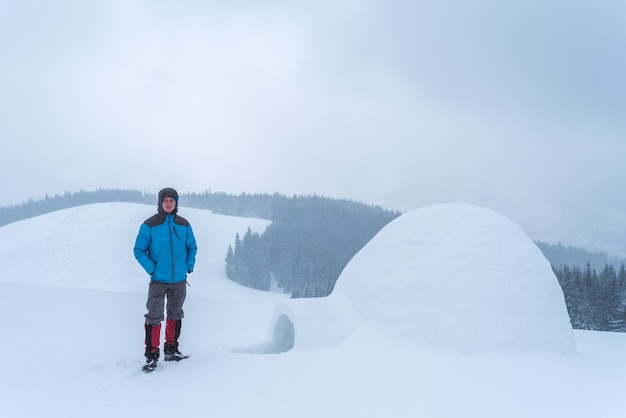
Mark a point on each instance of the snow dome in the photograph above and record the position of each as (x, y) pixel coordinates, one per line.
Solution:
(458, 277)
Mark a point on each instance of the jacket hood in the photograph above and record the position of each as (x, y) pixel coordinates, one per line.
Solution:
(167, 192)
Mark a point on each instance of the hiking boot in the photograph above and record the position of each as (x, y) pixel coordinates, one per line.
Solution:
(171, 353)
(152, 359)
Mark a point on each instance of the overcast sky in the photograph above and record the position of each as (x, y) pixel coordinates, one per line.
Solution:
(507, 104)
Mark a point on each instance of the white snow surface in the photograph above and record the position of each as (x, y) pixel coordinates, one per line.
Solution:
(74, 299)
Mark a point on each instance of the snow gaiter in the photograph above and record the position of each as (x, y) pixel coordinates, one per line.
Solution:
(153, 336)
(172, 332)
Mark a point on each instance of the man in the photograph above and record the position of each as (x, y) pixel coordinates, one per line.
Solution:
(166, 249)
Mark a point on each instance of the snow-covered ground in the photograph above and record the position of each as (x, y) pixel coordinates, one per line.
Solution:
(73, 303)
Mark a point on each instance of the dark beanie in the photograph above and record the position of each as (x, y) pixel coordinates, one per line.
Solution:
(168, 192)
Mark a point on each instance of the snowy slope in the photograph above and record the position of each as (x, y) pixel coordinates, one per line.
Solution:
(73, 300)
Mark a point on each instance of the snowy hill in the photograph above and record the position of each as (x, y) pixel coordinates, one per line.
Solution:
(74, 302)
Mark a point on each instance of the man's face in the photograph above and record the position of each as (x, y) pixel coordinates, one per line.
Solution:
(168, 205)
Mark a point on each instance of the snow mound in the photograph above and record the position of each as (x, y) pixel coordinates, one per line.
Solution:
(458, 277)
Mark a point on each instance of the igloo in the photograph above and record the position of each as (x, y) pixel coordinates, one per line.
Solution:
(451, 276)
(461, 277)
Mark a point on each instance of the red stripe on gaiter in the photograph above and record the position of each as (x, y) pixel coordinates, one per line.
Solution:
(170, 332)
(153, 336)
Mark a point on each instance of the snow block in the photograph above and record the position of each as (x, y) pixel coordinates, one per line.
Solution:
(311, 323)
(458, 277)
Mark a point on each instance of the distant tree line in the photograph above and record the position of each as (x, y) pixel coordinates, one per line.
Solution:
(560, 255)
(595, 300)
(259, 205)
(305, 249)
(244, 205)
(31, 208)
(593, 284)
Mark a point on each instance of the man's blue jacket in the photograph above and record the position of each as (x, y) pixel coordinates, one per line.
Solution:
(166, 247)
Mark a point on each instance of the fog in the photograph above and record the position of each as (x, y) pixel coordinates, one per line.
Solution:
(515, 106)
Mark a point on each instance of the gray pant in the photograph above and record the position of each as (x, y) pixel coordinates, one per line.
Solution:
(158, 291)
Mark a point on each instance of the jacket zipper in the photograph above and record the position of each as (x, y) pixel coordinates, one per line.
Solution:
(171, 247)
